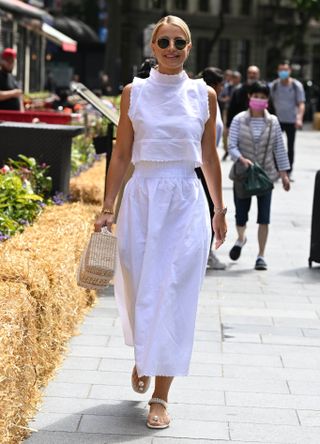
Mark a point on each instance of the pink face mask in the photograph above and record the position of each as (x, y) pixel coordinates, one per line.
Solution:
(258, 104)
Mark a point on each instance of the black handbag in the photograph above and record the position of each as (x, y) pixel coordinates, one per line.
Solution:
(257, 181)
(252, 181)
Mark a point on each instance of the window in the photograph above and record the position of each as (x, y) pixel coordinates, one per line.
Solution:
(202, 53)
(181, 4)
(225, 5)
(203, 5)
(224, 54)
(246, 6)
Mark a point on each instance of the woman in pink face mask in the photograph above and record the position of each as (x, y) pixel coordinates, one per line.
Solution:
(255, 136)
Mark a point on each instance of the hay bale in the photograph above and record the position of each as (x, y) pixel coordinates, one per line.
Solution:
(40, 307)
(88, 187)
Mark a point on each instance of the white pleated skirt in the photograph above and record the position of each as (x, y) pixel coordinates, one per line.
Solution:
(164, 233)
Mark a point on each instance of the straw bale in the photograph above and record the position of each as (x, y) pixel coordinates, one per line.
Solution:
(88, 187)
(40, 307)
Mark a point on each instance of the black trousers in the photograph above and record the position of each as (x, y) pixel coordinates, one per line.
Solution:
(290, 130)
(210, 203)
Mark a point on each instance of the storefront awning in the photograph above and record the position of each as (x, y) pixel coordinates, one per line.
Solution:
(57, 37)
(18, 7)
(76, 29)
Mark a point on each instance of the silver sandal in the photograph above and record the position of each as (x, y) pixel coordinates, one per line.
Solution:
(155, 418)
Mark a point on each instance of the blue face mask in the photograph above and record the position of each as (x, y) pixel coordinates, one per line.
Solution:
(283, 75)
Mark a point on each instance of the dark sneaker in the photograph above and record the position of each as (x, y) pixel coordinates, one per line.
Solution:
(235, 251)
(261, 264)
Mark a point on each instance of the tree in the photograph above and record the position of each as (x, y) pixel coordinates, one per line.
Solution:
(306, 10)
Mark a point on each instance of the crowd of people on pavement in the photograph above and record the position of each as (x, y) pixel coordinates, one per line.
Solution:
(254, 114)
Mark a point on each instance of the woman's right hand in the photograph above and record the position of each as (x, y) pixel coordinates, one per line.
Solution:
(246, 162)
(104, 220)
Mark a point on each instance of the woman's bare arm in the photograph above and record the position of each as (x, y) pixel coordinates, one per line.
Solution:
(211, 168)
(120, 160)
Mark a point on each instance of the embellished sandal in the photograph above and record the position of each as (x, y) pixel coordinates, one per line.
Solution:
(155, 419)
(141, 386)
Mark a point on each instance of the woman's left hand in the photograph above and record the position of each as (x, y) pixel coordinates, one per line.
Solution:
(219, 226)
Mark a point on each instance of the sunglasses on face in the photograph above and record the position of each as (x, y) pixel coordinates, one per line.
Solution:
(164, 43)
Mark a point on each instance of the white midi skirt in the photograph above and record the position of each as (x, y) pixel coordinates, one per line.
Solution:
(164, 233)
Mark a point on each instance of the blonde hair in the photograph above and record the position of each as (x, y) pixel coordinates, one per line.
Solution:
(172, 20)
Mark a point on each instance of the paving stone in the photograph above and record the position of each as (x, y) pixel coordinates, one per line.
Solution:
(84, 438)
(188, 429)
(309, 417)
(81, 363)
(276, 433)
(187, 396)
(265, 400)
(238, 359)
(101, 352)
(56, 422)
(67, 390)
(293, 374)
(95, 340)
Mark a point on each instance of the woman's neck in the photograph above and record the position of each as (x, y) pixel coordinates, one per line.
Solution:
(256, 113)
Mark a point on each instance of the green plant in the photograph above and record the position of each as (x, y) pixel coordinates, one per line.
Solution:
(29, 171)
(82, 155)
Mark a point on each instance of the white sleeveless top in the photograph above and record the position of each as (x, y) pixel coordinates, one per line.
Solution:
(168, 115)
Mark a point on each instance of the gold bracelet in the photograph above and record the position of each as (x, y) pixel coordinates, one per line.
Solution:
(107, 211)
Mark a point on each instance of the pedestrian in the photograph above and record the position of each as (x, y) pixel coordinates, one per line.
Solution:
(234, 83)
(239, 99)
(255, 136)
(224, 100)
(213, 77)
(288, 98)
(166, 128)
(10, 93)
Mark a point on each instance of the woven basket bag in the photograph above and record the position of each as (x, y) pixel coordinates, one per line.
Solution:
(97, 263)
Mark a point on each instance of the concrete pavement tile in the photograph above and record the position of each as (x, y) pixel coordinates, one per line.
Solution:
(203, 369)
(207, 346)
(231, 336)
(297, 322)
(211, 336)
(94, 407)
(93, 377)
(246, 320)
(268, 312)
(294, 374)
(238, 359)
(103, 312)
(291, 340)
(178, 428)
(267, 349)
(116, 365)
(309, 417)
(104, 330)
(80, 363)
(304, 387)
(187, 396)
(84, 438)
(232, 384)
(311, 332)
(56, 422)
(263, 329)
(200, 441)
(99, 321)
(276, 433)
(102, 352)
(305, 359)
(98, 340)
(266, 400)
(66, 390)
(235, 414)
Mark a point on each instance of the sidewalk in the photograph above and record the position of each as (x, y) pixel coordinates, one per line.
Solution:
(255, 367)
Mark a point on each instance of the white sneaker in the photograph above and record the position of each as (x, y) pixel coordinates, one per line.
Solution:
(214, 263)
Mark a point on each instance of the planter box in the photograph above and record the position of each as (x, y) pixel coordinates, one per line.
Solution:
(28, 116)
(50, 144)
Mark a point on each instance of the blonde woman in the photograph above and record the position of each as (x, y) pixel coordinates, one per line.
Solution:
(166, 128)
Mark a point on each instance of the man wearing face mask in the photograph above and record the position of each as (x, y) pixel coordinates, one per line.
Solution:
(288, 99)
(10, 94)
(239, 99)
